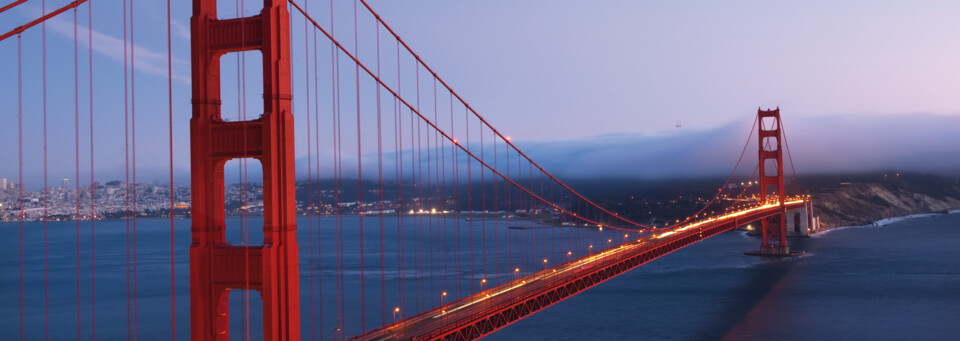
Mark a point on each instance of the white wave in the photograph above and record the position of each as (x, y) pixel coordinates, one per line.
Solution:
(888, 221)
(881, 222)
(825, 232)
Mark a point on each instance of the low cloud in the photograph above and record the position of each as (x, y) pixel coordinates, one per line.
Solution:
(850, 143)
(831, 144)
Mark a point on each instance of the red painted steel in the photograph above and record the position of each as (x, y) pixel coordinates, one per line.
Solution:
(478, 315)
(11, 5)
(215, 266)
(774, 226)
(39, 20)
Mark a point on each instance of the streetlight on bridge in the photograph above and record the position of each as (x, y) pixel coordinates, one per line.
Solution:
(442, 295)
(608, 247)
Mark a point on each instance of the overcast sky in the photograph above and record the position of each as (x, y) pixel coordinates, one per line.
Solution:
(587, 87)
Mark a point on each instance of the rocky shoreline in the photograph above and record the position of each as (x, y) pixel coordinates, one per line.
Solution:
(867, 199)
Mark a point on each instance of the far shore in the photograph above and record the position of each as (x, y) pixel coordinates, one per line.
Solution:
(891, 220)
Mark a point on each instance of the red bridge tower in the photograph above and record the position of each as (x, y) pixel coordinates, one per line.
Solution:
(771, 177)
(215, 266)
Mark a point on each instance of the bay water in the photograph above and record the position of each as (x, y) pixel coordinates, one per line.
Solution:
(892, 282)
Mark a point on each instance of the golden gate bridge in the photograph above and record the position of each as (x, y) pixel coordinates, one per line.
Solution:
(485, 236)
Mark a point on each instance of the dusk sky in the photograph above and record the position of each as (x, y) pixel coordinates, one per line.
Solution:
(587, 88)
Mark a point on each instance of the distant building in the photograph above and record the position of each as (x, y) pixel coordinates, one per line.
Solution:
(65, 184)
(3, 183)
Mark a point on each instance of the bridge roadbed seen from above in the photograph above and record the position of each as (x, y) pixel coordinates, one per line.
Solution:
(489, 310)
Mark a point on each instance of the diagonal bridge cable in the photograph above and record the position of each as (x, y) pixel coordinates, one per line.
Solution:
(507, 140)
(637, 226)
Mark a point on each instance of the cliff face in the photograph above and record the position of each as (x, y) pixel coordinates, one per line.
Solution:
(858, 200)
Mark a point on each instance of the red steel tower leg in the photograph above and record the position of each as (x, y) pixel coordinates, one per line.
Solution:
(215, 266)
(771, 176)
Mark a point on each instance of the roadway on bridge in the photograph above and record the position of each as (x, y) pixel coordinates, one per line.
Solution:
(491, 300)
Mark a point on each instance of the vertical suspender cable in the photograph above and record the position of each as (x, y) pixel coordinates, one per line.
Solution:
(20, 166)
(527, 203)
(316, 141)
(46, 258)
(398, 156)
(76, 155)
(438, 159)
(544, 221)
(506, 211)
(419, 171)
(456, 162)
(244, 305)
(356, 49)
(306, 53)
(126, 168)
(245, 216)
(416, 192)
(432, 157)
(133, 166)
(316, 131)
(383, 288)
(442, 197)
(93, 212)
(421, 282)
(543, 232)
(399, 205)
(483, 199)
(241, 105)
(338, 218)
(553, 198)
(496, 209)
(435, 280)
(173, 282)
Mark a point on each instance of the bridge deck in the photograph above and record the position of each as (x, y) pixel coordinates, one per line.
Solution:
(485, 312)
